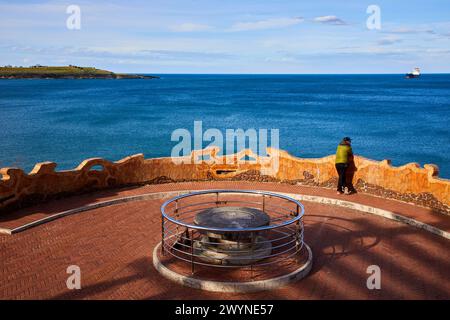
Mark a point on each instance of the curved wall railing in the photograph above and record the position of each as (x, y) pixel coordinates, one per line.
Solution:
(409, 183)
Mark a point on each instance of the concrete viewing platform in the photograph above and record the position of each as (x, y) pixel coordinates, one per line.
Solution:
(110, 234)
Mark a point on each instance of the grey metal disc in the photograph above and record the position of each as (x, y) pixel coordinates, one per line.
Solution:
(232, 217)
(262, 249)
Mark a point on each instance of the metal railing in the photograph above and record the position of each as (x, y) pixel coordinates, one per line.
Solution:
(265, 245)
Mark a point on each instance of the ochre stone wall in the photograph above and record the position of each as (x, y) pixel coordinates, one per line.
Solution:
(408, 183)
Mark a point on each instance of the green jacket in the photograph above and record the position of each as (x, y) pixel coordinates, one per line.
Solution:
(343, 153)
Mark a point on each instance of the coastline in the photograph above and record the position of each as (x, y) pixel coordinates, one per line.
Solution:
(64, 72)
(69, 77)
(75, 77)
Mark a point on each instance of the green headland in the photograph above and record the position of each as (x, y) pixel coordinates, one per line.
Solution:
(63, 72)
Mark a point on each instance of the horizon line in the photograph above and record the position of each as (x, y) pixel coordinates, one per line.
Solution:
(281, 74)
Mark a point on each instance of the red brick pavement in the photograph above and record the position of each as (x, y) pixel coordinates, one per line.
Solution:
(113, 247)
(26, 215)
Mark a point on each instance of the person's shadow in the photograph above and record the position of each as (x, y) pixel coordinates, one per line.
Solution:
(350, 173)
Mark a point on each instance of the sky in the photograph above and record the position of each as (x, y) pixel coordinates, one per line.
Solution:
(229, 36)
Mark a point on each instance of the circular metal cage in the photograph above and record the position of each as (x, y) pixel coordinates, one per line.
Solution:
(235, 247)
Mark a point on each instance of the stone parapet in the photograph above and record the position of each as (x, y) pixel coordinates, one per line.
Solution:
(408, 183)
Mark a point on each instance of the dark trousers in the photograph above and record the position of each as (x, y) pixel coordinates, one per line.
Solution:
(341, 169)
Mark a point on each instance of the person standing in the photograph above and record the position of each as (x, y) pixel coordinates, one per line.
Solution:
(344, 154)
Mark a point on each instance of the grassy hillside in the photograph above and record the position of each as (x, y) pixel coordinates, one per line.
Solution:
(61, 72)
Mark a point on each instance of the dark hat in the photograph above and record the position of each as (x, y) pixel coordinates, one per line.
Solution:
(347, 139)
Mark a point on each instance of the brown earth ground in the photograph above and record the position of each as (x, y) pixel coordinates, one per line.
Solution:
(113, 247)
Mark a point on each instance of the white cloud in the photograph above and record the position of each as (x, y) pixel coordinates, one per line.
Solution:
(438, 51)
(122, 53)
(386, 41)
(410, 31)
(282, 59)
(330, 20)
(190, 27)
(266, 24)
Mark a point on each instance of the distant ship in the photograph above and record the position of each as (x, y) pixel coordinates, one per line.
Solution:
(414, 74)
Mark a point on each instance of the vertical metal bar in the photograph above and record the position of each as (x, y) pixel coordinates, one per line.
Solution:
(297, 235)
(178, 237)
(301, 230)
(162, 234)
(192, 251)
(264, 203)
(251, 255)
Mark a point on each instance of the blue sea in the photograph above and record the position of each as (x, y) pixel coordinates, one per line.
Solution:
(67, 121)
